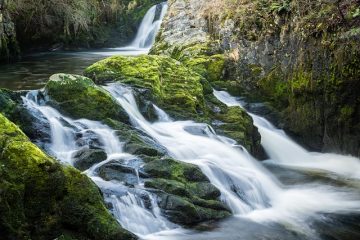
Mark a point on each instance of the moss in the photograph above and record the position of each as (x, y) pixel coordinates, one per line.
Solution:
(238, 125)
(8, 105)
(173, 170)
(174, 86)
(134, 141)
(210, 67)
(40, 199)
(79, 97)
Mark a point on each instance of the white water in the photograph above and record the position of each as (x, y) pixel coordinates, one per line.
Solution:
(149, 27)
(128, 206)
(246, 187)
(145, 36)
(283, 150)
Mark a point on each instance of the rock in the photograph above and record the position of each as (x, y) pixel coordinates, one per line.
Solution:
(309, 75)
(79, 97)
(120, 172)
(187, 197)
(41, 199)
(135, 142)
(174, 87)
(170, 169)
(181, 211)
(86, 158)
(36, 128)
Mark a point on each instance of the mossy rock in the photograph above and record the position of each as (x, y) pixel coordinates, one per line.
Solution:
(186, 196)
(78, 97)
(40, 199)
(183, 211)
(174, 170)
(11, 106)
(174, 86)
(134, 141)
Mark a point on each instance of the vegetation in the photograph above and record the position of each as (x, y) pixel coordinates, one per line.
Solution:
(79, 97)
(174, 86)
(40, 199)
(79, 23)
(254, 19)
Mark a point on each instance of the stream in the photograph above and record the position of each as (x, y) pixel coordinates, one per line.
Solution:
(295, 194)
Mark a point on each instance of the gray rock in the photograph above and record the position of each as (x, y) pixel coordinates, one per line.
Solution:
(85, 158)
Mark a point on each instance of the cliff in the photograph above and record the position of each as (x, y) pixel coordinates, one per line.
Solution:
(301, 58)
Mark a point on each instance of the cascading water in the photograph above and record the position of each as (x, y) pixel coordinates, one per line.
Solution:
(149, 27)
(127, 203)
(145, 36)
(283, 150)
(246, 187)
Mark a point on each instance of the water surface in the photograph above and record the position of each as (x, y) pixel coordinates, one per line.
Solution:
(33, 71)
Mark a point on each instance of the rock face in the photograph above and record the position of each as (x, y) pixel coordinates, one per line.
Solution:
(301, 58)
(40, 199)
(9, 49)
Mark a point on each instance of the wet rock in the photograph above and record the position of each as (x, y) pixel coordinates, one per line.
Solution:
(185, 194)
(88, 139)
(180, 210)
(136, 142)
(170, 169)
(119, 172)
(34, 125)
(86, 158)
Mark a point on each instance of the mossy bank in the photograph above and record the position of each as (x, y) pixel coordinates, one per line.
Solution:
(40, 199)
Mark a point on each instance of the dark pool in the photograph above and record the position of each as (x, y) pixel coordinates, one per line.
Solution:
(33, 71)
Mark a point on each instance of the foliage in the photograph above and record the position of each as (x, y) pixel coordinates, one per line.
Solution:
(256, 17)
(76, 22)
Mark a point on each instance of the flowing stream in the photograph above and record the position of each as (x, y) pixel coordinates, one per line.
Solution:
(247, 187)
(283, 150)
(255, 193)
(128, 204)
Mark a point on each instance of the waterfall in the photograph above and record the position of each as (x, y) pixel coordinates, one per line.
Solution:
(127, 203)
(149, 27)
(283, 150)
(246, 187)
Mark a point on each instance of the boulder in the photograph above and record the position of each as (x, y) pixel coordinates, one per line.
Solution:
(78, 97)
(173, 86)
(86, 158)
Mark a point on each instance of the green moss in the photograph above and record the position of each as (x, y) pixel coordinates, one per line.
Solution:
(79, 97)
(133, 140)
(40, 199)
(174, 86)
(238, 125)
(174, 170)
(7, 104)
